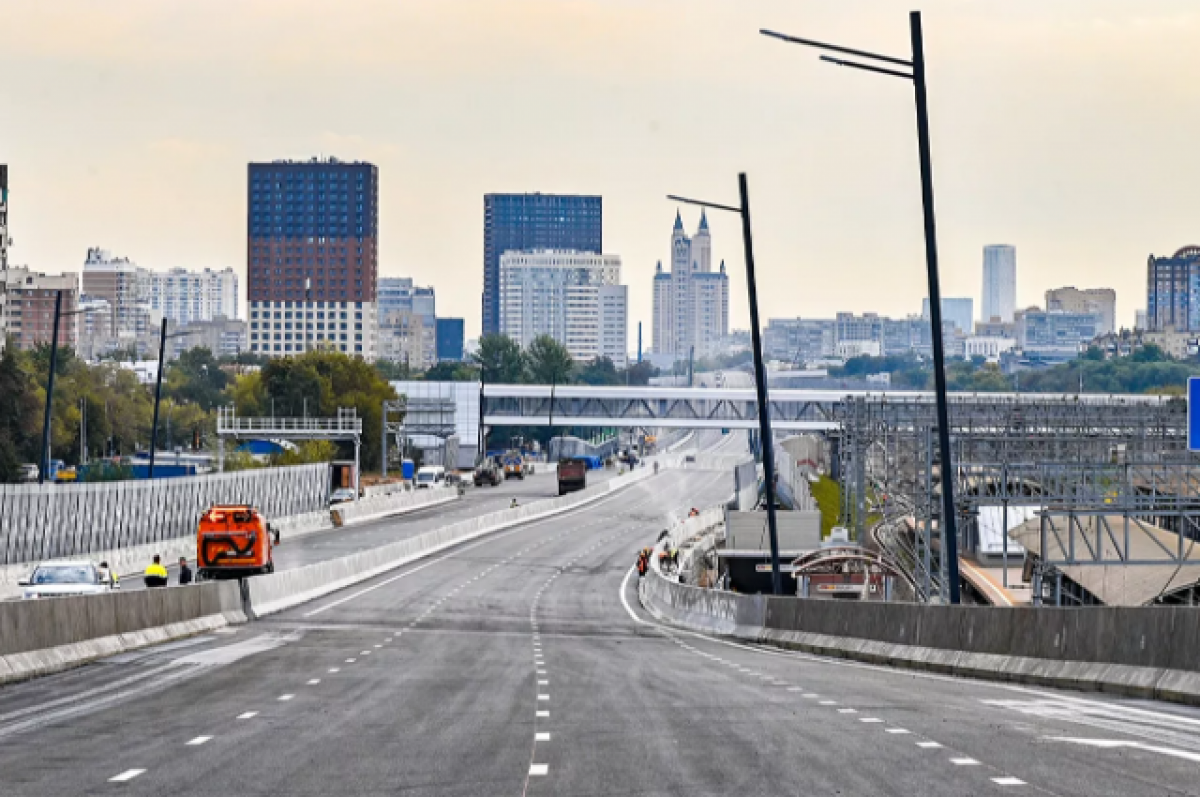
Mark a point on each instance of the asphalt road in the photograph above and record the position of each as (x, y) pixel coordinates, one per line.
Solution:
(331, 544)
(520, 664)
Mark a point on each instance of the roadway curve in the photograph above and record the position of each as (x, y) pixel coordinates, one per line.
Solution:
(520, 664)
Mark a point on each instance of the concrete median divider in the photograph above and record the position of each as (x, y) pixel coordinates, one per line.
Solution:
(283, 590)
(39, 637)
(1148, 652)
(394, 504)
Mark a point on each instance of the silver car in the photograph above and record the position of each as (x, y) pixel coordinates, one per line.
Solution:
(65, 577)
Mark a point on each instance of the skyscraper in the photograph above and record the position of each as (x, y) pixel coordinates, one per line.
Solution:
(312, 256)
(691, 302)
(999, 283)
(1173, 291)
(527, 222)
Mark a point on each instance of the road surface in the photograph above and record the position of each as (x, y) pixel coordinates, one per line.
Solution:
(521, 664)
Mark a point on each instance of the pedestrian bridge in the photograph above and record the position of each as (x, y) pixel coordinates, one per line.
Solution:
(664, 408)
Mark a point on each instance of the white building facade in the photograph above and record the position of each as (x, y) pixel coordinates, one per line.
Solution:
(999, 283)
(691, 301)
(187, 297)
(574, 297)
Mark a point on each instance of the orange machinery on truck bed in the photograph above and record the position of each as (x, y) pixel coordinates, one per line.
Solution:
(234, 541)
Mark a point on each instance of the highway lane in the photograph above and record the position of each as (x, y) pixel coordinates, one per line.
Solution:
(431, 681)
(333, 543)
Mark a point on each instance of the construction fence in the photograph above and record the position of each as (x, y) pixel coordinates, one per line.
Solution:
(50, 521)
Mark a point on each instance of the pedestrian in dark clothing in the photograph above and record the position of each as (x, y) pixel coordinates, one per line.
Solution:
(185, 572)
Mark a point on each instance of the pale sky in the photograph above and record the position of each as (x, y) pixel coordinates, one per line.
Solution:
(1064, 127)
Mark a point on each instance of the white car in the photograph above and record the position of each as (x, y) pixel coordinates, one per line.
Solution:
(341, 496)
(60, 578)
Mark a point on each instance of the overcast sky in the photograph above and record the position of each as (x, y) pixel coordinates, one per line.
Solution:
(1064, 127)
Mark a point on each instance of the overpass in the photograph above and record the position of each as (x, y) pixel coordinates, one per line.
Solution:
(737, 408)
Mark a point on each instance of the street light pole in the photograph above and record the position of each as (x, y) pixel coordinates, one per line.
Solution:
(760, 371)
(162, 345)
(917, 76)
(949, 522)
(50, 390)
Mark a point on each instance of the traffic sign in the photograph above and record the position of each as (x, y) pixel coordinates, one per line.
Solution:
(1193, 411)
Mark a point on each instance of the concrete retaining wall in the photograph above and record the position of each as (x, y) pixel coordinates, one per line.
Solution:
(1146, 652)
(38, 637)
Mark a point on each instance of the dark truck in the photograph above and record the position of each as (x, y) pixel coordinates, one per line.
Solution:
(572, 475)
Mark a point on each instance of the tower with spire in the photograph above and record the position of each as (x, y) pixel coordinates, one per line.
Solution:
(691, 301)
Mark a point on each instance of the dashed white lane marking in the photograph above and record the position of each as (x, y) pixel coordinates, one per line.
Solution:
(541, 672)
(543, 714)
(126, 776)
(351, 661)
(810, 696)
(543, 683)
(898, 731)
(828, 703)
(929, 745)
(247, 715)
(541, 737)
(1008, 780)
(285, 698)
(365, 653)
(314, 681)
(199, 740)
(539, 769)
(795, 688)
(870, 719)
(964, 762)
(543, 697)
(379, 646)
(335, 669)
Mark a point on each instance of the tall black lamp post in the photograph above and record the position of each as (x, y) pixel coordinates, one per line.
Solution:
(59, 315)
(760, 371)
(162, 347)
(917, 76)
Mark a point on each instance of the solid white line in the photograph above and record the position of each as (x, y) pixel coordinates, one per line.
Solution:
(247, 715)
(127, 775)
(539, 769)
(541, 737)
(285, 698)
(199, 740)
(1008, 780)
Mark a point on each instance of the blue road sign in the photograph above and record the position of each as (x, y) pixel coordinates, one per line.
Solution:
(1193, 413)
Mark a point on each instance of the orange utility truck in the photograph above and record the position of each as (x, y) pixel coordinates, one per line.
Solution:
(234, 541)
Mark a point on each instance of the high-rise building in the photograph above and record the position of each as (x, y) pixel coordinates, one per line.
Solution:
(31, 300)
(186, 297)
(798, 340)
(407, 322)
(126, 288)
(1054, 335)
(399, 294)
(531, 222)
(449, 339)
(691, 301)
(960, 312)
(312, 256)
(999, 283)
(574, 297)
(1099, 301)
(1173, 291)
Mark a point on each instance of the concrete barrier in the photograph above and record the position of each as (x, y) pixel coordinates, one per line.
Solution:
(1149, 652)
(38, 637)
(396, 504)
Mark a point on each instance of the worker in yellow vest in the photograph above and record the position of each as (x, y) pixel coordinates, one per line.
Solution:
(156, 574)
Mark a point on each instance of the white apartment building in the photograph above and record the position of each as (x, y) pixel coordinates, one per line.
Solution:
(286, 328)
(187, 297)
(574, 297)
(999, 283)
(691, 302)
(126, 288)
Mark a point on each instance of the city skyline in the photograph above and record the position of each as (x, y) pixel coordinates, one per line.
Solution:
(1026, 150)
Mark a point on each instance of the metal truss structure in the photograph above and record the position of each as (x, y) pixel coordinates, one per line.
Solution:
(346, 425)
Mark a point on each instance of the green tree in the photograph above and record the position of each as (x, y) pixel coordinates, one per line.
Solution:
(548, 361)
(640, 373)
(501, 360)
(197, 377)
(306, 452)
(18, 416)
(600, 371)
(393, 371)
(452, 372)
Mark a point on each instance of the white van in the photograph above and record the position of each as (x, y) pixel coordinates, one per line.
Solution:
(431, 476)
